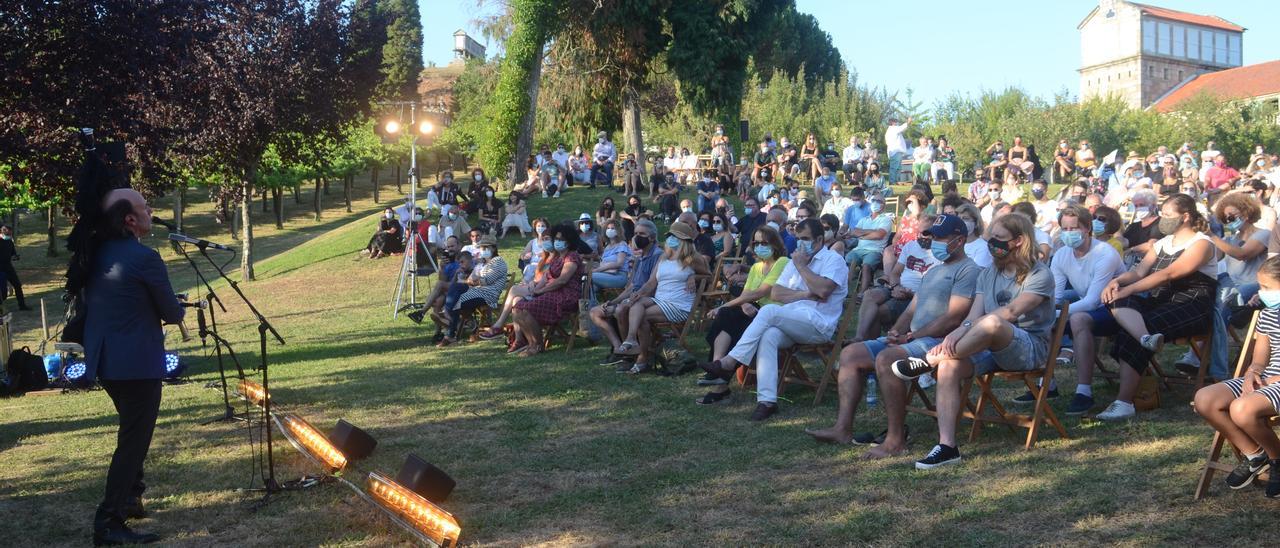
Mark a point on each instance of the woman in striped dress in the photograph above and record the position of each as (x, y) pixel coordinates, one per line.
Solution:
(1179, 276)
(666, 297)
(483, 288)
(1240, 408)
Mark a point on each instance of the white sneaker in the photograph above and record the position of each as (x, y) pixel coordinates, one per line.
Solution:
(1188, 359)
(544, 194)
(1117, 411)
(1153, 342)
(557, 194)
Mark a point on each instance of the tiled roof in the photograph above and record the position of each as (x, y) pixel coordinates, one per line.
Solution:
(1238, 83)
(1193, 18)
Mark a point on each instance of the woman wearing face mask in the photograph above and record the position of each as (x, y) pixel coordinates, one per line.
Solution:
(909, 226)
(721, 153)
(588, 235)
(533, 250)
(1106, 228)
(615, 260)
(721, 236)
(483, 288)
(730, 320)
(1144, 231)
(974, 246)
(1180, 275)
(831, 233)
(606, 212)
(1241, 408)
(540, 244)
(634, 211)
(490, 211)
(553, 298)
(666, 297)
(387, 240)
(515, 215)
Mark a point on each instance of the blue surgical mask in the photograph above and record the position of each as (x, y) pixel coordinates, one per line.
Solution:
(486, 253)
(561, 245)
(774, 226)
(687, 209)
(611, 233)
(718, 227)
(1270, 297)
(673, 242)
(1234, 226)
(940, 251)
(702, 223)
(805, 245)
(547, 246)
(1099, 227)
(1071, 238)
(876, 207)
(763, 251)
(748, 210)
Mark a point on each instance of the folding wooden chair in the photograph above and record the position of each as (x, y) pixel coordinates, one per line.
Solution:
(1042, 412)
(1211, 464)
(791, 371)
(677, 330)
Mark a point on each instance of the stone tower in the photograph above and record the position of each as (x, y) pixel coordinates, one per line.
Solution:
(1140, 52)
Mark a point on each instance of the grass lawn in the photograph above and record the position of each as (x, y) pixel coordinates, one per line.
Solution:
(558, 450)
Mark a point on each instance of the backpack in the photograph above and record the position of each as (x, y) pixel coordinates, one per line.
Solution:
(26, 371)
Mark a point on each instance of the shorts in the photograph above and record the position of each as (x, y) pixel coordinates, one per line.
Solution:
(917, 348)
(1271, 392)
(1024, 353)
(865, 257)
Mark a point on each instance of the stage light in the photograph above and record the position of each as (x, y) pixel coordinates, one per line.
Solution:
(425, 127)
(312, 442)
(173, 366)
(392, 127)
(425, 479)
(74, 371)
(353, 442)
(253, 392)
(414, 511)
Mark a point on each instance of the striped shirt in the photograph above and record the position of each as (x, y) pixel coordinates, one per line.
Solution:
(493, 277)
(1269, 325)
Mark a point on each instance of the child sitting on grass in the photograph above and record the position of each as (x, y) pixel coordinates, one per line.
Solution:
(1241, 408)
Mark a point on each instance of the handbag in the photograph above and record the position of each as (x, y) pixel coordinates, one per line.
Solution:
(26, 371)
(1148, 395)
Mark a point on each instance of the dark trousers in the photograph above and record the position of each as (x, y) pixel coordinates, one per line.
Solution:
(11, 276)
(605, 168)
(464, 308)
(138, 403)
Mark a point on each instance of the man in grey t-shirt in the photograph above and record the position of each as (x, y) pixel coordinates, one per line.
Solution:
(945, 296)
(1007, 328)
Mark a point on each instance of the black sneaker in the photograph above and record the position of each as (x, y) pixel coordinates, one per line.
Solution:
(612, 359)
(939, 456)
(1246, 471)
(1029, 397)
(910, 369)
(417, 315)
(1273, 481)
(707, 379)
(763, 411)
(1080, 405)
(712, 398)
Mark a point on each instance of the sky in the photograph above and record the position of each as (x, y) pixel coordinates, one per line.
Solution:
(938, 47)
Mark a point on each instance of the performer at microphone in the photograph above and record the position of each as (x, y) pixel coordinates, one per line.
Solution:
(127, 296)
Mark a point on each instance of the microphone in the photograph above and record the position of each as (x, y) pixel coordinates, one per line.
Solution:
(204, 329)
(164, 223)
(198, 304)
(180, 237)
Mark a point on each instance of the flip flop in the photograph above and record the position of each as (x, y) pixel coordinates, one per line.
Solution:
(627, 348)
(488, 334)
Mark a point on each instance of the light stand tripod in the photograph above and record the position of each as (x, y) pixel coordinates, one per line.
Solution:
(413, 242)
(211, 329)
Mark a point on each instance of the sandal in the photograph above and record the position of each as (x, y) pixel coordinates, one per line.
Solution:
(513, 348)
(639, 368)
(491, 334)
(627, 348)
(528, 352)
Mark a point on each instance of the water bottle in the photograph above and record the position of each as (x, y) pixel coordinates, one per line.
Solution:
(873, 391)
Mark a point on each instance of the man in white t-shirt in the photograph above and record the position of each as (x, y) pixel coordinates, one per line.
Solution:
(838, 202)
(895, 145)
(810, 297)
(561, 156)
(1046, 208)
(851, 158)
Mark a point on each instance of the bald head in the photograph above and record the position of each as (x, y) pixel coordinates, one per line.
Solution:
(137, 220)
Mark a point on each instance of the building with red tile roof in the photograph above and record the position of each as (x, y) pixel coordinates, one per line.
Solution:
(1259, 82)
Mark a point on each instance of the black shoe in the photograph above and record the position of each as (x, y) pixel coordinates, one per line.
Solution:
(939, 456)
(119, 535)
(707, 379)
(763, 411)
(1273, 481)
(134, 509)
(612, 359)
(866, 438)
(1029, 397)
(1246, 471)
(417, 315)
(1080, 405)
(714, 370)
(712, 398)
(910, 369)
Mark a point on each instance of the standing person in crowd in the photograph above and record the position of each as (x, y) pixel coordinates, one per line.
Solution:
(667, 296)
(615, 260)
(721, 151)
(482, 288)
(730, 320)
(515, 215)
(1180, 276)
(1242, 408)
(555, 297)
(606, 155)
(851, 157)
(387, 240)
(127, 297)
(872, 233)
(1145, 230)
(9, 274)
(810, 292)
(1064, 161)
(645, 256)
(895, 145)
(922, 161)
(1007, 328)
(944, 300)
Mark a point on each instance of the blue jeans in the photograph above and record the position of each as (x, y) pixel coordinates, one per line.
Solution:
(895, 165)
(606, 168)
(1229, 294)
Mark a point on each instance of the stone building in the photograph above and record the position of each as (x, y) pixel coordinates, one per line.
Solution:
(1140, 52)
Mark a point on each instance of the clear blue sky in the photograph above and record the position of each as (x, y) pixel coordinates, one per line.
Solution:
(961, 43)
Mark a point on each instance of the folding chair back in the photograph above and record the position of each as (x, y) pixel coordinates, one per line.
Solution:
(791, 371)
(1212, 464)
(677, 330)
(1042, 413)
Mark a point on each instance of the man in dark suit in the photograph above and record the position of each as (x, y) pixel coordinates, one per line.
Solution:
(127, 297)
(8, 254)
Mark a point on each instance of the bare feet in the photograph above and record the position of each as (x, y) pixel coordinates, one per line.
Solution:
(884, 451)
(830, 435)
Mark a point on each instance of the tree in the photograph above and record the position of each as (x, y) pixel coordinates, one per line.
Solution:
(402, 50)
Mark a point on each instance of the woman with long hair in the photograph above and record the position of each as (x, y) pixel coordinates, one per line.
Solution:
(809, 155)
(615, 260)
(555, 296)
(1179, 275)
(515, 214)
(909, 225)
(666, 297)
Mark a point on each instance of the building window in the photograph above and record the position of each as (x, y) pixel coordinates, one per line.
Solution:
(1206, 46)
(1149, 36)
(1193, 44)
(1220, 48)
(1233, 49)
(1166, 74)
(1163, 39)
(1179, 41)
(1180, 76)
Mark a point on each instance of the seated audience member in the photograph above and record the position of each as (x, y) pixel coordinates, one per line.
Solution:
(708, 191)
(667, 297)
(1085, 159)
(579, 168)
(387, 240)
(632, 178)
(551, 176)
(668, 199)
(944, 162)
(1007, 328)
(722, 238)
(587, 234)
(974, 247)
(810, 292)
(902, 280)
(730, 320)
(1241, 408)
(909, 226)
(1144, 231)
(452, 224)
(858, 208)
(875, 181)
(921, 160)
(606, 212)
(1046, 207)
(1064, 161)
(1106, 227)
(515, 215)
(837, 204)
(632, 214)
(764, 163)
(752, 218)
(555, 296)
(777, 218)
(994, 199)
(615, 260)
(831, 238)
(872, 233)
(823, 184)
(1179, 274)
(473, 248)
(482, 288)
(1219, 178)
(851, 160)
(943, 301)
(1043, 242)
(1081, 268)
(644, 257)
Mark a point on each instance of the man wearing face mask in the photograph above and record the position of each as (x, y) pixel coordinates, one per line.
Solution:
(858, 208)
(837, 204)
(561, 156)
(644, 257)
(810, 294)
(763, 163)
(751, 219)
(8, 274)
(942, 302)
(452, 223)
(872, 233)
(606, 155)
(483, 288)
(995, 200)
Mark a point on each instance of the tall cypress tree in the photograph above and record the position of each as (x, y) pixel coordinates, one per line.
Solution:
(402, 53)
(364, 56)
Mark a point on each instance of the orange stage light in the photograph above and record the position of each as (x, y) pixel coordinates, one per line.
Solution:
(424, 517)
(312, 442)
(253, 392)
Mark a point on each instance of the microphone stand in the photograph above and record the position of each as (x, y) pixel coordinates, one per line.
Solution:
(228, 412)
(270, 485)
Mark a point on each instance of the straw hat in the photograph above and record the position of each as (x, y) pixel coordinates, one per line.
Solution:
(682, 231)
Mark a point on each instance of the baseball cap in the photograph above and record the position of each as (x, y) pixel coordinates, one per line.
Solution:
(947, 225)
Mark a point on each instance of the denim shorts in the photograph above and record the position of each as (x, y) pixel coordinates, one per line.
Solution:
(1024, 353)
(917, 348)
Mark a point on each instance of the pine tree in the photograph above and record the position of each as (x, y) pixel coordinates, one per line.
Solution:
(402, 52)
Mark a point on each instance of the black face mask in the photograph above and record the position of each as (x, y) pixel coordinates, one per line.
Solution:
(642, 242)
